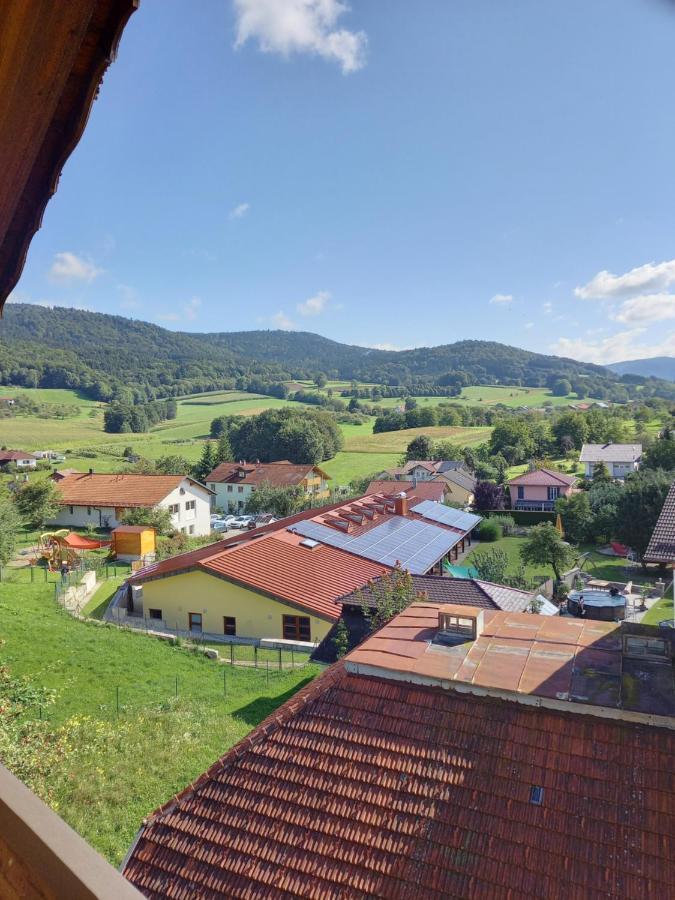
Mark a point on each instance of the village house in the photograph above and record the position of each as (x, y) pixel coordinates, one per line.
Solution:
(538, 489)
(234, 483)
(620, 459)
(100, 500)
(19, 458)
(459, 751)
(283, 582)
(460, 484)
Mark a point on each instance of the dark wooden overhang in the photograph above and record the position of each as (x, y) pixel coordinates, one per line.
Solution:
(53, 56)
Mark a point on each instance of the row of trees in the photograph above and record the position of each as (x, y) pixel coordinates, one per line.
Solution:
(120, 418)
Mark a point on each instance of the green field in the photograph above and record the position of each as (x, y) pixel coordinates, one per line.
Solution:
(491, 395)
(102, 767)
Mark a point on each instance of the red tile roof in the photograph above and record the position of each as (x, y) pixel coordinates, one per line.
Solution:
(423, 490)
(118, 490)
(365, 787)
(280, 566)
(277, 474)
(12, 455)
(544, 477)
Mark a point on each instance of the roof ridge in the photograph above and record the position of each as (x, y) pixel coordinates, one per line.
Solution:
(268, 726)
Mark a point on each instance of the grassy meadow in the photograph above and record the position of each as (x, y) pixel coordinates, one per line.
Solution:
(100, 766)
(86, 445)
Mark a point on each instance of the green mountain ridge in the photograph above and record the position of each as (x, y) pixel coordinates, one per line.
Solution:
(112, 357)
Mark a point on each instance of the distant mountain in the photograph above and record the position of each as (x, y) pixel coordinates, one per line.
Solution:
(656, 367)
(114, 357)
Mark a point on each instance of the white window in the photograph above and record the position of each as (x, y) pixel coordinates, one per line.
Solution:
(174, 509)
(190, 506)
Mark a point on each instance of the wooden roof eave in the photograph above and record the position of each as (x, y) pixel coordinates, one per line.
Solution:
(52, 60)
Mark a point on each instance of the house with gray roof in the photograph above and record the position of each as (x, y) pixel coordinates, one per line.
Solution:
(620, 459)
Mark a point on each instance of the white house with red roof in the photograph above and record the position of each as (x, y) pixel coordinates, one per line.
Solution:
(20, 458)
(538, 489)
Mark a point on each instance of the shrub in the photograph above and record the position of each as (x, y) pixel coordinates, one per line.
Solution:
(506, 523)
(489, 531)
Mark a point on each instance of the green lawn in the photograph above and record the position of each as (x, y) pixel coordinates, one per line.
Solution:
(101, 769)
(490, 395)
(510, 546)
(660, 611)
(98, 604)
(347, 465)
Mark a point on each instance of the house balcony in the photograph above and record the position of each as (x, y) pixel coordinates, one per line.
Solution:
(535, 505)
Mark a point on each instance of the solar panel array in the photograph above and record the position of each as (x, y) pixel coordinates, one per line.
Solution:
(446, 515)
(415, 545)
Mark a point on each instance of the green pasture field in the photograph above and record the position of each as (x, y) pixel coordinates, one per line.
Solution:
(132, 720)
(397, 441)
(491, 395)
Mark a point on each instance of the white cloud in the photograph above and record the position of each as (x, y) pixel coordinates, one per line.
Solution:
(68, 266)
(529, 325)
(188, 312)
(315, 305)
(282, 321)
(239, 211)
(648, 279)
(501, 299)
(616, 348)
(301, 26)
(647, 308)
(48, 304)
(547, 308)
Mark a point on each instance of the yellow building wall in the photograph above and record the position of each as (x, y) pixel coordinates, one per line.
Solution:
(458, 494)
(257, 616)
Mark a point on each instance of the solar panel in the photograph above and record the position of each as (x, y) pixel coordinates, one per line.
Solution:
(416, 545)
(446, 515)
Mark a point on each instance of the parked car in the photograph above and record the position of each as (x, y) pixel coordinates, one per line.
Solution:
(221, 523)
(240, 522)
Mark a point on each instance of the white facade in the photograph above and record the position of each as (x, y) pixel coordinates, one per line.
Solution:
(230, 498)
(615, 469)
(189, 505)
(25, 463)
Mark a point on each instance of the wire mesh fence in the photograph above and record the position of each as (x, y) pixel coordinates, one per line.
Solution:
(231, 690)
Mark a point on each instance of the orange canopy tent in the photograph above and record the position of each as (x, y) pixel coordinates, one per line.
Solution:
(80, 542)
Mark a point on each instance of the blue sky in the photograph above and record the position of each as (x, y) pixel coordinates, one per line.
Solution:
(389, 174)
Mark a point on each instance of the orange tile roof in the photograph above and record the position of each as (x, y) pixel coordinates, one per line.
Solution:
(423, 490)
(280, 566)
(277, 474)
(543, 477)
(118, 490)
(365, 787)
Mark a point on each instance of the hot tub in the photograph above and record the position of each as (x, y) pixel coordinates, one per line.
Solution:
(598, 605)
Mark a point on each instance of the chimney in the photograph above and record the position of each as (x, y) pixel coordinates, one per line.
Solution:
(401, 504)
(457, 624)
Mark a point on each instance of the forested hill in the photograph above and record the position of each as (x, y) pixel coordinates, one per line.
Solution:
(114, 357)
(481, 360)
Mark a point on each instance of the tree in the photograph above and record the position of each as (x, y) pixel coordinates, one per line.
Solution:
(487, 495)
(320, 380)
(173, 464)
(9, 525)
(570, 430)
(561, 387)
(157, 517)
(640, 504)
(491, 565)
(600, 473)
(544, 546)
(223, 449)
(577, 517)
(206, 463)
(604, 501)
(420, 448)
(341, 639)
(38, 501)
(389, 595)
(661, 454)
(279, 501)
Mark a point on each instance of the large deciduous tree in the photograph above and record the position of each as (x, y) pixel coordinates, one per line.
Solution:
(640, 504)
(487, 495)
(544, 546)
(38, 501)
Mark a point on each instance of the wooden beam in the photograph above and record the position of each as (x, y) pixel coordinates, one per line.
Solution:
(53, 56)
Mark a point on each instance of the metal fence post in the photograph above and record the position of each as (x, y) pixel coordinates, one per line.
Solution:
(224, 682)
(176, 685)
(292, 659)
(268, 671)
(232, 654)
(255, 655)
(280, 659)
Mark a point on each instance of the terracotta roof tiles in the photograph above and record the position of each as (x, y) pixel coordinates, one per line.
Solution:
(662, 542)
(544, 477)
(118, 490)
(360, 786)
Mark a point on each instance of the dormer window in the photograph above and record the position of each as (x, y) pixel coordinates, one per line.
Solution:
(462, 626)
